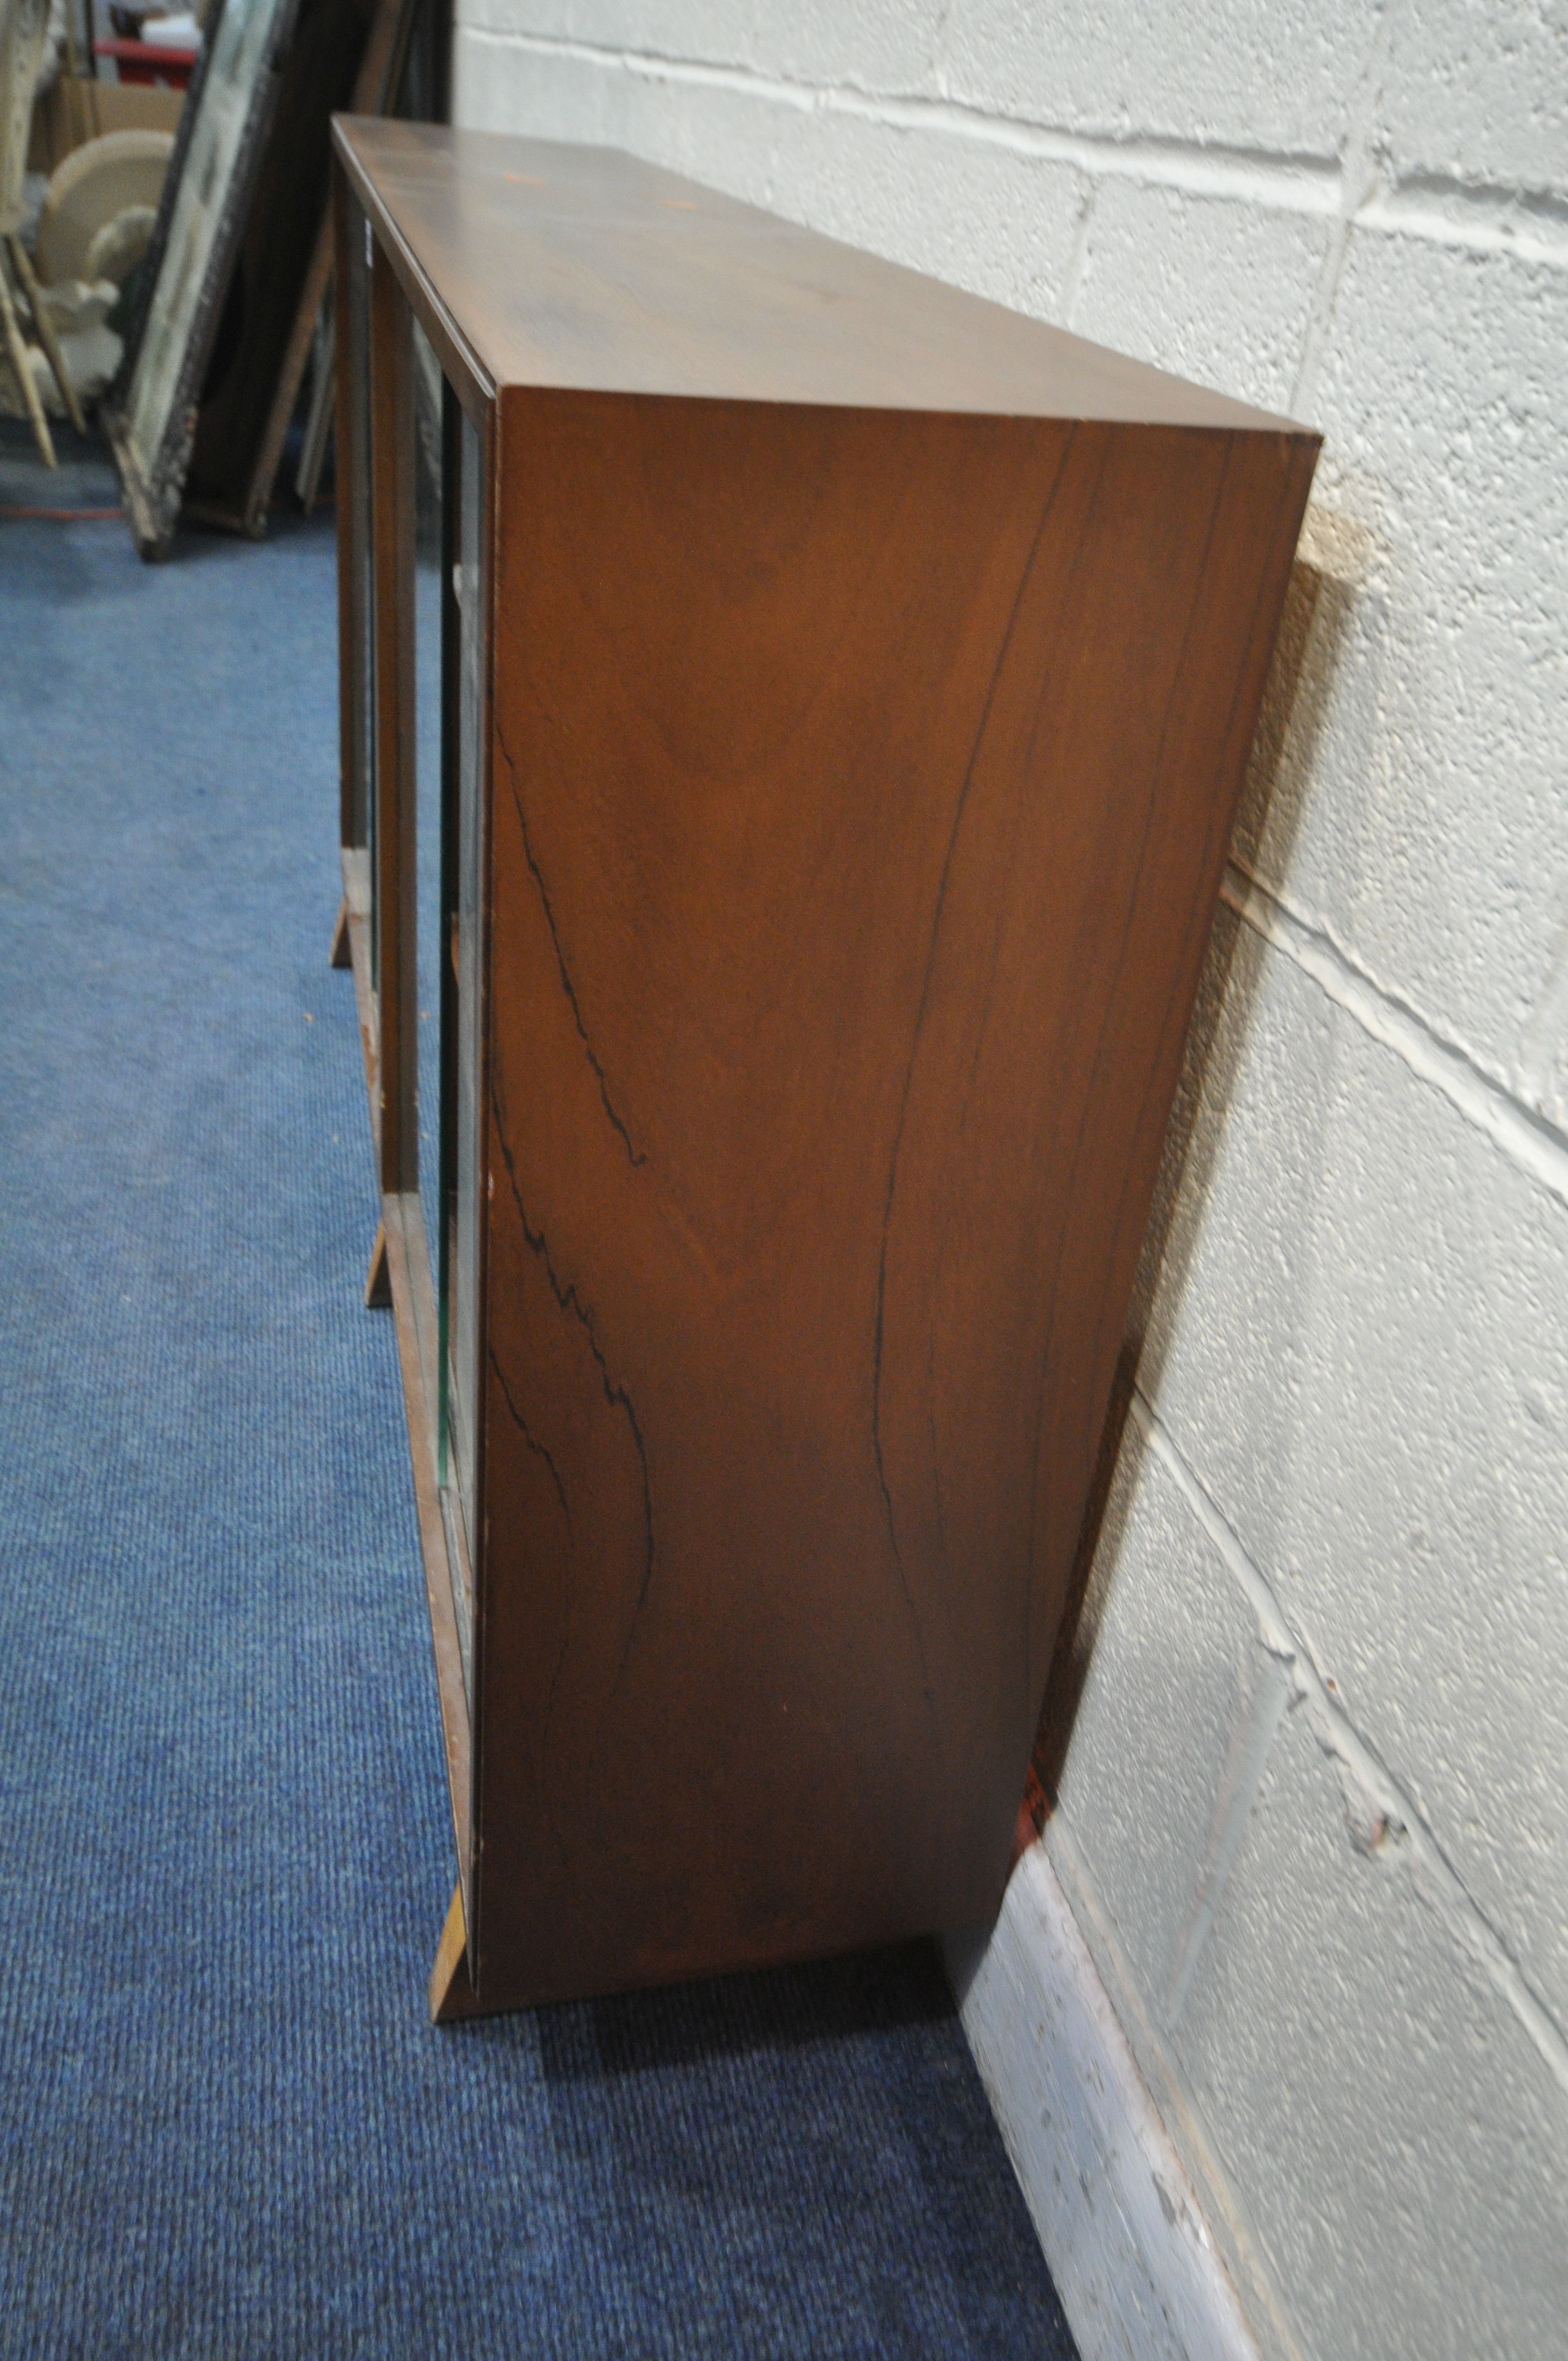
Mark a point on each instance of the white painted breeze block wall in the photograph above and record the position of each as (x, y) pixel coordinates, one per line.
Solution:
(1313, 1819)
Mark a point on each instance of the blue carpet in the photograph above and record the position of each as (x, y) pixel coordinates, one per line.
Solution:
(82, 478)
(225, 2127)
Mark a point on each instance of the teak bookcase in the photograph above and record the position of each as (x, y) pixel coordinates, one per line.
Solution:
(784, 799)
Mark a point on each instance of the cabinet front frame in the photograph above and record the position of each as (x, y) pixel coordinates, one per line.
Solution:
(379, 297)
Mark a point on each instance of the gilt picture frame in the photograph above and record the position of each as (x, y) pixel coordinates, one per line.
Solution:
(151, 419)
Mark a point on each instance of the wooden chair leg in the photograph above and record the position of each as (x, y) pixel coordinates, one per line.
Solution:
(17, 351)
(47, 337)
(378, 1277)
(342, 954)
(451, 1990)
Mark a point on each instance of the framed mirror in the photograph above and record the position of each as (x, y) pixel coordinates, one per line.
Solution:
(151, 423)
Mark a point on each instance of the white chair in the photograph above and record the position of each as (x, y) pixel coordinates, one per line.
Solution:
(24, 44)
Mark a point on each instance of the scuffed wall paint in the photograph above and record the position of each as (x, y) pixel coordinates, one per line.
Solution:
(1312, 1809)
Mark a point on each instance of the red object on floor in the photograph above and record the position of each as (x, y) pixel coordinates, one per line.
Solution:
(150, 61)
(1034, 1811)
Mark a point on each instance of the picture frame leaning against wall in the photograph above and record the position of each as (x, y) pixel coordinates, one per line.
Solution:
(152, 417)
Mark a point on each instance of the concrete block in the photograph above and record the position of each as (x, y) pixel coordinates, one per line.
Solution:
(498, 87)
(718, 32)
(728, 138)
(1269, 75)
(551, 18)
(1359, 1343)
(1001, 223)
(883, 46)
(1419, 814)
(997, 222)
(1212, 289)
(1403, 2148)
(1176, 1706)
(736, 139)
(1479, 94)
(886, 47)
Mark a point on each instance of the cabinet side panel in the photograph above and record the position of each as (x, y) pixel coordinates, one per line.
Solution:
(860, 783)
(1078, 899)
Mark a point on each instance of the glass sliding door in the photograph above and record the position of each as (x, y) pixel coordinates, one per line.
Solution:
(357, 642)
(446, 768)
(414, 518)
(467, 810)
(430, 593)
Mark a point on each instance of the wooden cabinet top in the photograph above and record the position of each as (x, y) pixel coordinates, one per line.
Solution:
(581, 267)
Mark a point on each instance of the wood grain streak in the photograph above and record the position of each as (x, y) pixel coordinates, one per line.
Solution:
(634, 1156)
(914, 1053)
(571, 1304)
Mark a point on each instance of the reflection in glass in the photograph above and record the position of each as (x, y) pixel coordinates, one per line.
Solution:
(467, 726)
(429, 543)
(446, 742)
(353, 486)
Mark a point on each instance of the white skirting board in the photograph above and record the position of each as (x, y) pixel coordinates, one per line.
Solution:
(1134, 2261)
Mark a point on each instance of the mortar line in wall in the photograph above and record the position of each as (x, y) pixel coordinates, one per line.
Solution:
(1476, 217)
(1519, 222)
(1528, 1141)
(1302, 184)
(1358, 183)
(1072, 278)
(1389, 1827)
(1548, 1023)
(1240, 1782)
